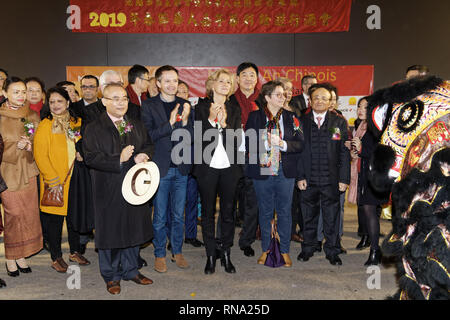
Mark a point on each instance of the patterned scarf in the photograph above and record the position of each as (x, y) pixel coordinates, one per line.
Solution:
(271, 159)
(61, 123)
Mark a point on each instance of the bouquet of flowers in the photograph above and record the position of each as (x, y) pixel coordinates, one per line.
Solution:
(335, 133)
(125, 127)
(297, 128)
(29, 127)
(74, 133)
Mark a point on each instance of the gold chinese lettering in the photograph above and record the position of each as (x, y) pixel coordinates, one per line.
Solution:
(269, 3)
(294, 20)
(258, 3)
(177, 3)
(192, 20)
(148, 20)
(325, 18)
(134, 18)
(226, 4)
(206, 20)
(237, 4)
(310, 19)
(264, 19)
(282, 3)
(233, 20)
(293, 3)
(149, 2)
(163, 18)
(247, 3)
(280, 20)
(178, 18)
(139, 3)
(129, 3)
(248, 19)
(167, 3)
(218, 19)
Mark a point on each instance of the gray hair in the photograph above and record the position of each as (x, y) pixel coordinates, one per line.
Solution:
(106, 74)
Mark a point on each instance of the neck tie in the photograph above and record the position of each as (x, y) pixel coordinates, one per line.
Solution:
(318, 121)
(117, 123)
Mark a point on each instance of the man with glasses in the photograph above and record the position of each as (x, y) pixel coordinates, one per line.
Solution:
(89, 90)
(323, 173)
(301, 101)
(120, 227)
(138, 83)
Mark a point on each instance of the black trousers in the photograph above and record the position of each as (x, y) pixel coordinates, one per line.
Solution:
(222, 182)
(54, 224)
(118, 264)
(312, 200)
(250, 214)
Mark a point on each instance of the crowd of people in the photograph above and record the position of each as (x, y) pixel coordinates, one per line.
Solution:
(65, 157)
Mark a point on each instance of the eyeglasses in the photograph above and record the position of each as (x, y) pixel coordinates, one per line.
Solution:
(117, 100)
(144, 79)
(279, 95)
(92, 87)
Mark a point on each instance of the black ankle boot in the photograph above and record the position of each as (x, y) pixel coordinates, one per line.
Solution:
(226, 263)
(374, 257)
(364, 243)
(210, 267)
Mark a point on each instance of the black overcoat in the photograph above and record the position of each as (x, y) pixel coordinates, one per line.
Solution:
(118, 224)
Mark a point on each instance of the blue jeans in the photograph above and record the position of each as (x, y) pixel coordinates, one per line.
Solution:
(172, 186)
(275, 193)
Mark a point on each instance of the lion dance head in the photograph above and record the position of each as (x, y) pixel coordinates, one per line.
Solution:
(411, 119)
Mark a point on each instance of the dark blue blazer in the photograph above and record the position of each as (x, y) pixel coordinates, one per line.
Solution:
(160, 131)
(257, 120)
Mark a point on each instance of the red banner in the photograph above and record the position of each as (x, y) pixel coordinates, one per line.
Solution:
(213, 16)
(352, 82)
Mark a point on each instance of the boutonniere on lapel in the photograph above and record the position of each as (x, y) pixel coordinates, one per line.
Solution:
(29, 127)
(297, 128)
(335, 133)
(74, 133)
(125, 127)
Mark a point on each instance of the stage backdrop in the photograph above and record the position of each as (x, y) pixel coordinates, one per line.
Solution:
(213, 16)
(352, 82)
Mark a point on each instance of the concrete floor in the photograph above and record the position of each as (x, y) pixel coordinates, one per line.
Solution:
(316, 279)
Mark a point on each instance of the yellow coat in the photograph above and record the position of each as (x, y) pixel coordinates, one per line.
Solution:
(54, 153)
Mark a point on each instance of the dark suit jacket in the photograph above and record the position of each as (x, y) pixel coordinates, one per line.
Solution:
(338, 154)
(160, 131)
(299, 103)
(257, 120)
(233, 123)
(118, 224)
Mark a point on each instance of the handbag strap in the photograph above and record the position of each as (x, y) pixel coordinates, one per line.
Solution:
(68, 173)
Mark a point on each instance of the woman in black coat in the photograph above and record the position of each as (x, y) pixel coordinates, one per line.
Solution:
(362, 146)
(218, 173)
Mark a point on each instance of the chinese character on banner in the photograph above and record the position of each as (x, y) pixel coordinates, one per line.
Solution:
(325, 18)
(310, 19)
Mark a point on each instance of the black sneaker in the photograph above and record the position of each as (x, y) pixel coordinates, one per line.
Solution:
(196, 243)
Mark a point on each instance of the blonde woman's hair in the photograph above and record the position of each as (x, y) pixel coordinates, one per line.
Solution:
(213, 78)
(284, 80)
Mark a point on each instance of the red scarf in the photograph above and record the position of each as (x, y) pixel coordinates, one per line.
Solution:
(37, 107)
(355, 166)
(247, 104)
(133, 96)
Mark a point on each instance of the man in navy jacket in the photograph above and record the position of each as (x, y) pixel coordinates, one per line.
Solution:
(162, 115)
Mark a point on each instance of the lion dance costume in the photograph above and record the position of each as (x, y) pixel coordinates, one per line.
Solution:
(412, 119)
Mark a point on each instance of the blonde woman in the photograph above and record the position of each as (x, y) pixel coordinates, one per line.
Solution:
(22, 230)
(220, 174)
(54, 151)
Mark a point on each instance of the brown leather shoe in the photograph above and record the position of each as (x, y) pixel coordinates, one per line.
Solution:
(287, 260)
(160, 265)
(60, 265)
(263, 258)
(113, 287)
(81, 260)
(180, 261)
(297, 238)
(141, 279)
